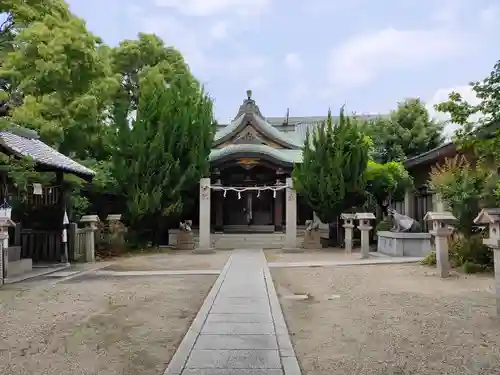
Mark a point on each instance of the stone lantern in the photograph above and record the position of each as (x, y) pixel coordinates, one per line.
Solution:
(441, 231)
(348, 227)
(90, 222)
(364, 225)
(491, 217)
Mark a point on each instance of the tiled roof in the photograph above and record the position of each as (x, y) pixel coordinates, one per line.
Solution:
(25, 143)
(263, 126)
(287, 156)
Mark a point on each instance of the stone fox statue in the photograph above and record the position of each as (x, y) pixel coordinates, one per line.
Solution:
(403, 223)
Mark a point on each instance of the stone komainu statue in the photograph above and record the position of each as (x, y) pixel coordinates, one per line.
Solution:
(185, 225)
(403, 223)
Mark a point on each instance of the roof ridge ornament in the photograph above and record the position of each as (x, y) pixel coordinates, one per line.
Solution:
(249, 106)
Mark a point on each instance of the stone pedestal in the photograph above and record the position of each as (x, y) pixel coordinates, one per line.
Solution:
(291, 219)
(364, 226)
(491, 217)
(348, 228)
(204, 245)
(312, 239)
(399, 244)
(90, 222)
(185, 240)
(441, 232)
(5, 223)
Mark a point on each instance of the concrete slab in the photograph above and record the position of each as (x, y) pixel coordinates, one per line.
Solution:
(238, 328)
(239, 318)
(239, 342)
(232, 372)
(234, 359)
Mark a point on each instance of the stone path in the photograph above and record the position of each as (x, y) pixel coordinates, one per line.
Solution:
(240, 329)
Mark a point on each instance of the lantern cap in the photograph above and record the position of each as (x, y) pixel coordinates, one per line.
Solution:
(445, 216)
(89, 219)
(348, 216)
(488, 216)
(365, 216)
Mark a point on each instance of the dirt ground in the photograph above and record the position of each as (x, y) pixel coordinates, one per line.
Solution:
(322, 255)
(95, 325)
(390, 319)
(172, 260)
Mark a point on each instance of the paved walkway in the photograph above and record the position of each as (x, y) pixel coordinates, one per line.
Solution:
(240, 329)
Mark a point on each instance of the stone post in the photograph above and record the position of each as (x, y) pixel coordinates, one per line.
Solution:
(90, 222)
(491, 217)
(204, 245)
(441, 231)
(408, 203)
(5, 223)
(349, 227)
(291, 218)
(365, 227)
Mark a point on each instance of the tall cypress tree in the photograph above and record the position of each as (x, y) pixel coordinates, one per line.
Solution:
(162, 156)
(331, 176)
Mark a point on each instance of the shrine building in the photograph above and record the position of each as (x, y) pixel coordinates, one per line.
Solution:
(249, 154)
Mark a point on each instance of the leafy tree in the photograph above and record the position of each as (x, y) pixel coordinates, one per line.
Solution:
(408, 131)
(63, 73)
(162, 156)
(331, 177)
(132, 56)
(387, 182)
(481, 135)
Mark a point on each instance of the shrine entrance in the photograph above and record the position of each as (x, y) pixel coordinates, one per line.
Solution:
(248, 200)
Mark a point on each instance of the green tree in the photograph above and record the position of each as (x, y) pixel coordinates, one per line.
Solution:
(387, 182)
(408, 131)
(482, 135)
(162, 156)
(63, 73)
(332, 174)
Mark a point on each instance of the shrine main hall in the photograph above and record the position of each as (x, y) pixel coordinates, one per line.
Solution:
(251, 159)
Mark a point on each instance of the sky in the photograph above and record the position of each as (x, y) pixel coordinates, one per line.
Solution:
(312, 55)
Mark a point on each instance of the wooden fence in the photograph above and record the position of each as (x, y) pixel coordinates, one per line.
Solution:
(40, 245)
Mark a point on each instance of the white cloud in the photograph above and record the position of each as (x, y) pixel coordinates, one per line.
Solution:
(358, 60)
(293, 61)
(219, 30)
(214, 7)
(441, 95)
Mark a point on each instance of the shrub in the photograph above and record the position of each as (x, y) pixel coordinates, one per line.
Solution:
(384, 225)
(471, 250)
(429, 260)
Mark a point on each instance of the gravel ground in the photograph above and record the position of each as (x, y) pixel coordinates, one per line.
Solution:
(327, 254)
(172, 260)
(89, 325)
(390, 319)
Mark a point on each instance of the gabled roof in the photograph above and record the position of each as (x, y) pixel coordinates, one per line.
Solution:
(25, 143)
(249, 113)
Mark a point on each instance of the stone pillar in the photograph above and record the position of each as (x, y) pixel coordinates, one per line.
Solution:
(5, 223)
(491, 217)
(349, 227)
(408, 203)
(440, 230)
(437, 203)
(90, 222)
(365, 227)
(204, 245)
(291, 218)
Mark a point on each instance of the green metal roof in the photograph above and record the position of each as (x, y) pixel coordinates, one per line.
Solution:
(286, 156)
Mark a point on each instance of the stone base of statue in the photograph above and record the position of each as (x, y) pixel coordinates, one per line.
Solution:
(185, 240)
(312, 239)
(400, 244)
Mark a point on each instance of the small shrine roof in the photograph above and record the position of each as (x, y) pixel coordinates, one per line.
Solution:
(26, 143)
